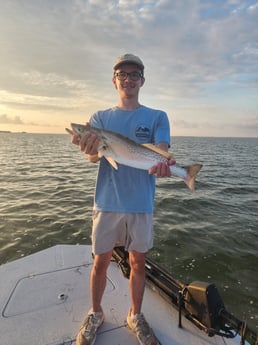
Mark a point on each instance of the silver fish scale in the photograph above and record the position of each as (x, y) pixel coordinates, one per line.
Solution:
(134, 149)
(116, 142)
(119, 149)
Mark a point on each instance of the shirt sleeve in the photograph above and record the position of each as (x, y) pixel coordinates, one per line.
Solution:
(162, 132)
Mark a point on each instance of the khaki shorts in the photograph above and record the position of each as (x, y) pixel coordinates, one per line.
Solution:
(132, 230)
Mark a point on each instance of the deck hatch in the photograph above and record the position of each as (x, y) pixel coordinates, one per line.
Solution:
(50, 289)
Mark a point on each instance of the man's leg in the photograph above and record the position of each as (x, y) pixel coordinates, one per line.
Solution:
(98, 279)
(135, 319)
(88, 331)
(137, 280)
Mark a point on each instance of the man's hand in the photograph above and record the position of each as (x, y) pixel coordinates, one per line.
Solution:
(162, 169)
(87, 143)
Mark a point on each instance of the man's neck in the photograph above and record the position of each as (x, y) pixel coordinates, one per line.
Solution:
(128, 104)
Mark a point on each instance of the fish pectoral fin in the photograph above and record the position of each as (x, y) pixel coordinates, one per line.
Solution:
(154, 148)
(101, 150)
(112, 162)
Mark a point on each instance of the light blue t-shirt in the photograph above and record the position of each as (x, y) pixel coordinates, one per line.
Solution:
(127, 189)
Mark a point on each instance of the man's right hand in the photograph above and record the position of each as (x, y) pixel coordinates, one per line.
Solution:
(87, 143)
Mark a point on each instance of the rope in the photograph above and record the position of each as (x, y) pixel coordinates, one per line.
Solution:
(243, 332)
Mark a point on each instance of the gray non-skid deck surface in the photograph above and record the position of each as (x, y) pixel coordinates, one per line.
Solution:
(45, 296)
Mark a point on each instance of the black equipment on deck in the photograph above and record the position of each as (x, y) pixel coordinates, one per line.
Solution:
(199, 302)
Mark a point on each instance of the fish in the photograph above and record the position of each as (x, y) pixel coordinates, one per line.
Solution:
(118, 149)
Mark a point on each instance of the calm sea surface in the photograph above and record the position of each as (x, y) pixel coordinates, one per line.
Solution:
(46, 193)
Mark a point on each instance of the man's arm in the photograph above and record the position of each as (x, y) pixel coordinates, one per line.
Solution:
(163, 146)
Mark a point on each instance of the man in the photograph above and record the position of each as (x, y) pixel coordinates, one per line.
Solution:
(124, 198)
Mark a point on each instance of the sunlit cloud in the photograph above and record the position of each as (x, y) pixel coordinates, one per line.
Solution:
(57, 56)
(5, 119)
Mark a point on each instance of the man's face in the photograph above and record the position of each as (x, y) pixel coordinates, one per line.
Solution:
(128, 85)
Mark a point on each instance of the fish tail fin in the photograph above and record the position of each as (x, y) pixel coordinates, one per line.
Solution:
(192, 172)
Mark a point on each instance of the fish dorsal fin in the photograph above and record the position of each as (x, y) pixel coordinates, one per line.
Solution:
(158, 150)
(112, 162)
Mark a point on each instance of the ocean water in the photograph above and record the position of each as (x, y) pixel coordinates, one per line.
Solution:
(46, 194)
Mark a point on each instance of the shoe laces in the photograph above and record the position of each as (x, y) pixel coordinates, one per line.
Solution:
(142, 325)
(91, 323)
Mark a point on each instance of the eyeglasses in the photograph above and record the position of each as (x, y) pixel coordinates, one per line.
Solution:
(135, 76)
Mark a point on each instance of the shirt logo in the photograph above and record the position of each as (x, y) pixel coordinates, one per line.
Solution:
(142, 132)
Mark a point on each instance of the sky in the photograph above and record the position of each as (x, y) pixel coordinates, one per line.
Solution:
(200, 57)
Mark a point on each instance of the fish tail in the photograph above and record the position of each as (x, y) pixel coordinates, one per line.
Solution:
(192, 172)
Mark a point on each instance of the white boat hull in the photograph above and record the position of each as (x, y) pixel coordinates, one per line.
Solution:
(45, 296)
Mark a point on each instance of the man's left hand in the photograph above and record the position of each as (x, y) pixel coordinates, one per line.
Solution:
(162, 169)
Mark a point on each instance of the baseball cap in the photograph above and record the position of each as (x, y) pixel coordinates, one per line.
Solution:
(130, 59)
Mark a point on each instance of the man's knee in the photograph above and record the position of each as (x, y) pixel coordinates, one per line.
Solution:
(137, 261)
(101, 263)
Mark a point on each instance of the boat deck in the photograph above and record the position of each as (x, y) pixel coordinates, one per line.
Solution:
(45, 296)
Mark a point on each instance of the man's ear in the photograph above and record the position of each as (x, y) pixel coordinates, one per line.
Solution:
(114, 82)
(142, 81)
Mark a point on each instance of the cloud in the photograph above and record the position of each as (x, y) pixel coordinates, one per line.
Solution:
(185, 124)
(16, 120)
(253, 8)
(250, 123)
(172, 36)
(50, 91)
(58, 54)
(248, 126)
(5, 119)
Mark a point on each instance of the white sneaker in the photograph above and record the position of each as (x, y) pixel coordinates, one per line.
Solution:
(141, 328)
(88, 331)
